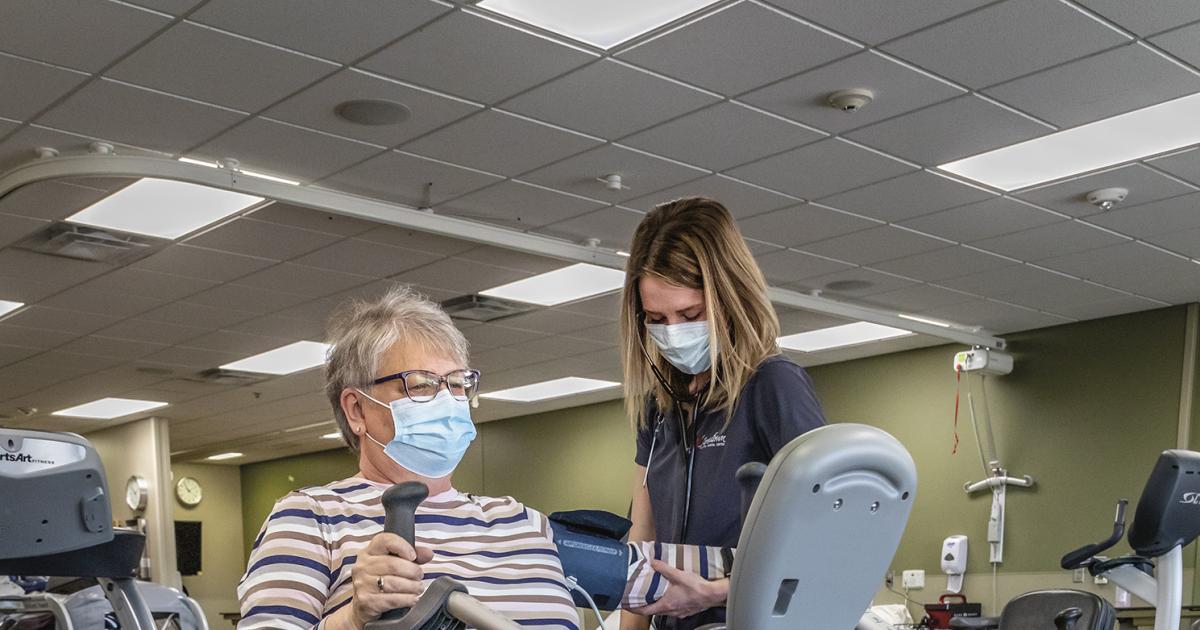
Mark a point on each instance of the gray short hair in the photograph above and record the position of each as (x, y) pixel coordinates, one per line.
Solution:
(362, 331)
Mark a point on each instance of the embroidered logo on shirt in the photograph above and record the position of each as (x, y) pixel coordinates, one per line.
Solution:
(716, 440)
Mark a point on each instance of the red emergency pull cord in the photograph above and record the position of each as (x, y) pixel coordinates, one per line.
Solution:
(957, 389)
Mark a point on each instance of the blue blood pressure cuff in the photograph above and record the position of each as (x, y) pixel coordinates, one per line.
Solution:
(591, 550)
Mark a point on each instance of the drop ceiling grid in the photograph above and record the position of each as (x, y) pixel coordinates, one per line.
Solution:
(649, 149)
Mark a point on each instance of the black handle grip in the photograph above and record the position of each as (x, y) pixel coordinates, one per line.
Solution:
(400, 517)
(1067, 619)
(1080, 557)
(749, 475)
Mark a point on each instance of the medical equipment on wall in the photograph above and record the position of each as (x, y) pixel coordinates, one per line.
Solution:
(954, 561)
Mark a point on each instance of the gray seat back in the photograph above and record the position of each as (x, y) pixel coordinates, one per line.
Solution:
(1037, 610)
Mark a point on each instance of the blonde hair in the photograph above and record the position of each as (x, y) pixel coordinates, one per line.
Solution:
(362, 331)
(694, 243)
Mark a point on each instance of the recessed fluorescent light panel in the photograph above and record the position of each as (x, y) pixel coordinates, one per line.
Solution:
(162, 208)
(549, 390)
(601, 23)
(560, 286)
(336, 435)
(109, 408)
(840, 336)
(217, 458)
(1132, 136)
(931, 322)
(272, 178)
(7, 307)
(293, 357)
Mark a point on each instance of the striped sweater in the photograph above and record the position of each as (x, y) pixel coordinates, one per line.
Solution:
(299, 568)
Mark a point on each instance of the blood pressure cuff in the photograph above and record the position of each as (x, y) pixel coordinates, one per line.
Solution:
(591, 551)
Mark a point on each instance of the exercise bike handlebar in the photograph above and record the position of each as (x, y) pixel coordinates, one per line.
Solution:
(1082, 557)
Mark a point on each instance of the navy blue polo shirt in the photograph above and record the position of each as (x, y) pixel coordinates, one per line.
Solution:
(776, 405)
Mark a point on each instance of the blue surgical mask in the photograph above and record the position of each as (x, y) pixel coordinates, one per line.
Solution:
(431, 437)
(685, 345)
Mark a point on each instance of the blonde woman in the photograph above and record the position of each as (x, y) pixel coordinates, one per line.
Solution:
(706, 387)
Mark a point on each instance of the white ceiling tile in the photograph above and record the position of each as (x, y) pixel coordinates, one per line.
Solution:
(1006, 40)
(38, 338)
(14, 228)
(124, 113)
(1047, 241)
(418, 241)
(314, 108)
(1110, 83)
(198, 315)
(409, 179)
(309, 219)
(722, 136)
(1169, 216)
(512, 259)
(1183, 43)
(1165, 14)
(995, 317)
(366, 258)
(498, 142)
(112, 348)
(151, 284)
(284, 327)
(1178, 286)
(875, 245)
(1000, 281)
(342, 32)
(876, 22)
(609, 99)
(49, 200)
(1186, 242)
(499, 359)
(898, 88)
(739, 48)
(488, 336)
(907, 196)
(787, 266)
(22, 288)
(174, 7)
(607, 333)
(194, 358)
(461, 276)
(205, 64)
(793, 321)
(60, 319)
(85, 36)
(256, 299)
(918, 298)
(614, 227)
(560, 346)
(88, 299)
(761, 248)
(805, 223)
(1185, 165)
(206, 264)
(302, 280)
(555, 322)
(950, 130)
(1133, 267)
(280, 149)
(1057, 292)
(151, 331)
(1109, 308)
(821, 169)
(264, 240)
(742, 199)
(235, 342)
(475, 57)
(607, 306)
(6, 127)
(1070, 197)
(944, 263)
(985, 219)
(12, 354)
(640, 173)
(49, 269)
(41, 84)
(518, 205)
(852, 283)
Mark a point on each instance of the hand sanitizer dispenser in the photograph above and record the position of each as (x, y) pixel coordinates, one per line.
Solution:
(954, 561)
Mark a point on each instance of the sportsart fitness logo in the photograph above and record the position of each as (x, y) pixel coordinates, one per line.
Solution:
(19, 458)
(1191, 498)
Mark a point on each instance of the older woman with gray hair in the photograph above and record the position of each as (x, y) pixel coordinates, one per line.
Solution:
(401, 389)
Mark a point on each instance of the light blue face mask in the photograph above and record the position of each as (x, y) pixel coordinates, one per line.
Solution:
(684, 345)
(431, 437)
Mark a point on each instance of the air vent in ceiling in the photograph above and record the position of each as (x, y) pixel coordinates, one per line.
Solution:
(481, 308)
(87, 243)
(217, 376)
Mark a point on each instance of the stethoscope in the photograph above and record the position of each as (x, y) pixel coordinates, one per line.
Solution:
(687, 431)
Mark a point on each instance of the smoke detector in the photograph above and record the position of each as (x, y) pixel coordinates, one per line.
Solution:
(1106, 198)
(372, 112)
(851, 100)
(612, 181)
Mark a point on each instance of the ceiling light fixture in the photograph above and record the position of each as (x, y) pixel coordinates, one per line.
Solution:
(1124, 138)
(336, 435)
(7, 307)
(372, 112)
(550, 390)
(109, 408)
(233, 165)
(931, 322)
(840, 336)
(288, 359)
(163, 208)
(560, 286)
(217, 458)
(601, 24)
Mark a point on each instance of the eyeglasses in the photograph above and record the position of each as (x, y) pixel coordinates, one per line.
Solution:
(423, 385)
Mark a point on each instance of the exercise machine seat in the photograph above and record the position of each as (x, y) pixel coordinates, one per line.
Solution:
(1037, 610)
